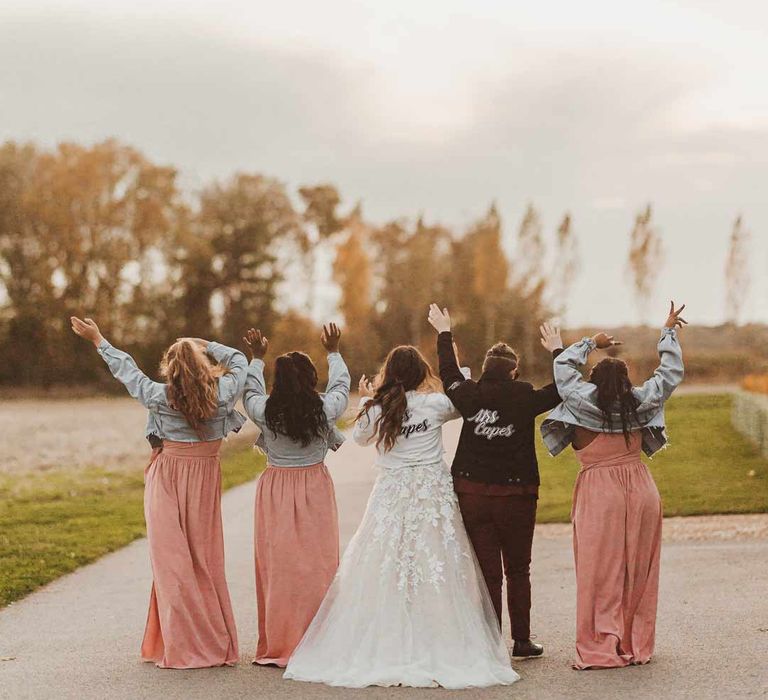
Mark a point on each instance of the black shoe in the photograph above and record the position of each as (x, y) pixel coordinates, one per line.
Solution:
(527, 648)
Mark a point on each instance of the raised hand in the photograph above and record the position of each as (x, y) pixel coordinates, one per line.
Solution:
(439, 320)
(603, 341)
(365, 387)
(86, 329)
(330, 337)
(675, 320)
(550, 337)
(256, 343)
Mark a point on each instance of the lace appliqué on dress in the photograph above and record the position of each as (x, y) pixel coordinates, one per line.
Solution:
(414, 509)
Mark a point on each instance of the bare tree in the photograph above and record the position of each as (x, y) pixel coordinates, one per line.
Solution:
(646, 256)
(567, 263)
(530, 252)
(737, 277)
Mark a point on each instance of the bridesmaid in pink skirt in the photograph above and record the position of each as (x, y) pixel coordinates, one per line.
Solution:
(190, 622)
(296, 524)
(616, 513)
(616, 519)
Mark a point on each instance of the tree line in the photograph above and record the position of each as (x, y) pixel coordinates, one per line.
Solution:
(103, 230)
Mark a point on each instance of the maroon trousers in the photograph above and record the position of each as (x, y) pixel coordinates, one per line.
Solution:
(501, 531)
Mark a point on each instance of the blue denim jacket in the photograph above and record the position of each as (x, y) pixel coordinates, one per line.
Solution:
(281, 450)
(166, 423)
(579, 398)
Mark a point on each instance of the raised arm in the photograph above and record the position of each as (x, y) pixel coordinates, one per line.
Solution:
(448, 365)
(255, 392)
(546, 398)
(567, 367)
(668, 375)
(670, 372)
(336, 396)
(231, 385)
(121, 364)
(364, 430)
(568, 364)
(458, 387)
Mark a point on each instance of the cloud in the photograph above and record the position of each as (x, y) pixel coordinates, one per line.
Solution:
(184, 96)
(596, 131)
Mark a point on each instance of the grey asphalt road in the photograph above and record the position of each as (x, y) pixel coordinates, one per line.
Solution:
(79, 637)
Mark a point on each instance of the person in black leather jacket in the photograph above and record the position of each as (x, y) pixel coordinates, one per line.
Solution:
(495, 470)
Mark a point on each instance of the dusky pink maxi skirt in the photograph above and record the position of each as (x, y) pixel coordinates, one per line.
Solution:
(190, 622)
(296, 555)
(616, 543)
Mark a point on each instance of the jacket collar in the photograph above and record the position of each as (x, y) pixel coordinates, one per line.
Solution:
(485, 377)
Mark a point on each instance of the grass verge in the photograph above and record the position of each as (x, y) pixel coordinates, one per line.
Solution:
(707, 468)
(51, 523)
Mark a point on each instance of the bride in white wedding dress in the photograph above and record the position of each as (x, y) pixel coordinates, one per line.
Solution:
(408, 605)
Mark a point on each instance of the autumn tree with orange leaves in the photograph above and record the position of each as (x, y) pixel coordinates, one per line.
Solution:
(104, 231)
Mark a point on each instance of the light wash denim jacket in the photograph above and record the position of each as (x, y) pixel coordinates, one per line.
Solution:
(166, 423)
(579, 398)
(281, 450)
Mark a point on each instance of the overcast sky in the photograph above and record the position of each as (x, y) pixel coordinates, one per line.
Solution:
(436, 108)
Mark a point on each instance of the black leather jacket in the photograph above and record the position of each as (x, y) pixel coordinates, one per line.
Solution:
(497, 443)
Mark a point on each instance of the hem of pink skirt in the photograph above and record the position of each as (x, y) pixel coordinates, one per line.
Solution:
(281, 662)
(159, 663)
(620, 663)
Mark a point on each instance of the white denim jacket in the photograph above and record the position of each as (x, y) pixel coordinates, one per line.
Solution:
(164, 422)
(420, 441)
(579, 398)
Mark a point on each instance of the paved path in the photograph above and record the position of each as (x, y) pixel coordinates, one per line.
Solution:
(79, 636)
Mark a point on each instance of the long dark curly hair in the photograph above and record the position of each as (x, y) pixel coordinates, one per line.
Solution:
(614, 394)
(405, 369)
(294, 408)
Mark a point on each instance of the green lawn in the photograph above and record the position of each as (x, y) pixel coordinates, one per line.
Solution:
(54, 522)
(705, 468)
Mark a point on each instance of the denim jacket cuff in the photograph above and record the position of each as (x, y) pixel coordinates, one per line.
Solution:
(590, 342)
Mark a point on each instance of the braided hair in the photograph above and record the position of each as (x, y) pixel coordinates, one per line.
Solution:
(614, 394)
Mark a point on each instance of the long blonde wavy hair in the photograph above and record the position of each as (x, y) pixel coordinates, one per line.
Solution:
(192, 382)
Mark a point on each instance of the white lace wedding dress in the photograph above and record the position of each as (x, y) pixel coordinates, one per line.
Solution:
(408, 605)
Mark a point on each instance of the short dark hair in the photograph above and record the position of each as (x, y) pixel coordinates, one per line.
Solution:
(500, 360)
